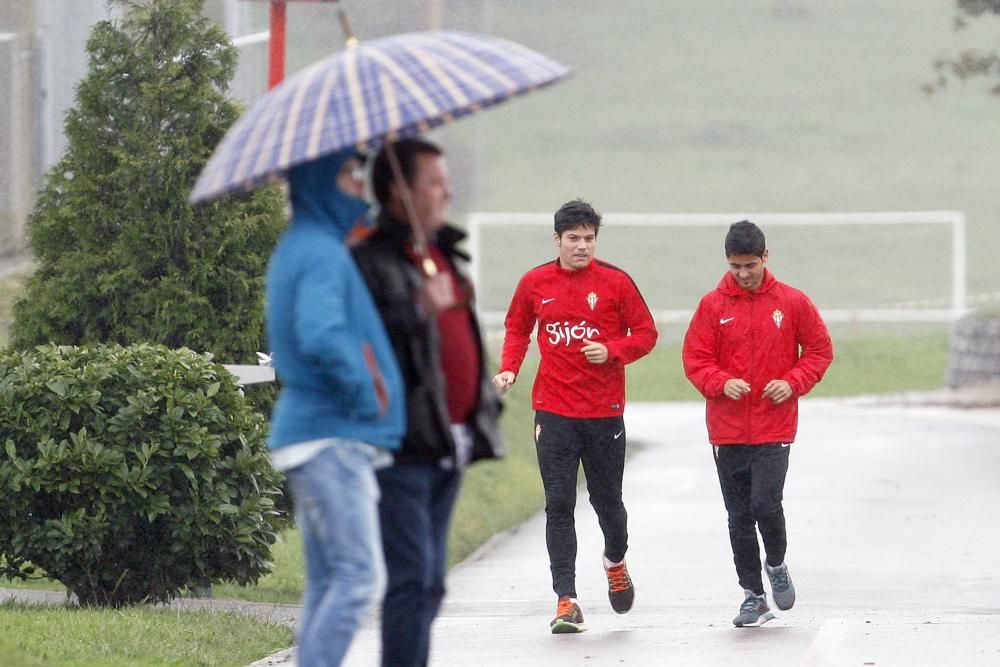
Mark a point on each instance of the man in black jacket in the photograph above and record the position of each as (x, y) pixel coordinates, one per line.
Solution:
(452, 407)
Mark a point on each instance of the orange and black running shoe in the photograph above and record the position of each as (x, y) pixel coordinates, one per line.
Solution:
(621, 592)
(568, 618)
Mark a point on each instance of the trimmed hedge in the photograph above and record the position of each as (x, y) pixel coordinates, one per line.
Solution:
(131, 473)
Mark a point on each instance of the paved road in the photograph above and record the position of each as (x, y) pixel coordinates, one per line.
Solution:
(893, 547)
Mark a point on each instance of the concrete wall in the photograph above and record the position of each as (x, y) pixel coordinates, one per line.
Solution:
(63, 30)
(42, 56)
(42, 59)
(17, 156)
(975, 352)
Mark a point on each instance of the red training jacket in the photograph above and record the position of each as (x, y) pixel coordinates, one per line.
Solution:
(600, 303)
(772, 333)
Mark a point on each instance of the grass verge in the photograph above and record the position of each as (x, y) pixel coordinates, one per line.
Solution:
(71, 637)
(863, 364)
(497, 495)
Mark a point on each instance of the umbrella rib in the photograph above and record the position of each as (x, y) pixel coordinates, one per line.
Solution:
(291, 121)
(316, 132)
(261, 130)
(432, 64)
(391, 105)
(467, 79)
(356, 95)
(480, 64)
(420, 96)
(290, 88)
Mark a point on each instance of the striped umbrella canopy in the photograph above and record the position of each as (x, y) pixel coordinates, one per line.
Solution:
(368, 94)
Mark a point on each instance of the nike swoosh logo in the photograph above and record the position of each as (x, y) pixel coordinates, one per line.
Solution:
(618, 434)
(545, 301)
(726, 320)
(785, 444)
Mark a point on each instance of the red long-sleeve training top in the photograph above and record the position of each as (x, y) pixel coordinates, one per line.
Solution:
(600, 303)
(773, 333)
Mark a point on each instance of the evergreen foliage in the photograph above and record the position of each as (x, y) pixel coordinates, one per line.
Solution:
(121, 256)
(131, 473)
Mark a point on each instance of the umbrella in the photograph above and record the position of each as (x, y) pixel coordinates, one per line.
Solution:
(369, 94)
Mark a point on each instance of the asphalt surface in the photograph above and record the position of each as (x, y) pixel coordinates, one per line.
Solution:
(893, 545)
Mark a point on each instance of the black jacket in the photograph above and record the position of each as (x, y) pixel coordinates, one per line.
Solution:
(394, 282)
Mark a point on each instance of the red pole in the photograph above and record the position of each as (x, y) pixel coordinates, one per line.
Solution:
(276, 56)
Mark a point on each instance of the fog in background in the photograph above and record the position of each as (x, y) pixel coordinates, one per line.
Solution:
(730, 105)
(680, 106)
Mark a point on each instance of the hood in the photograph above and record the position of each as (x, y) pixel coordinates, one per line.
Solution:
(315, 196)
(730, 287)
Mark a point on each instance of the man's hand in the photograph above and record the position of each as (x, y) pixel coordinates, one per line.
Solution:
(735, 388)
(438, 293)
(778, 391)
(596, 353)
(503, 381)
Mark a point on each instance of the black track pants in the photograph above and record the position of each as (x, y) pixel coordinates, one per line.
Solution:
(752, 478)
(562, 444)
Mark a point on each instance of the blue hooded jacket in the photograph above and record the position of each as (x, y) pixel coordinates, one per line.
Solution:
(330, 350)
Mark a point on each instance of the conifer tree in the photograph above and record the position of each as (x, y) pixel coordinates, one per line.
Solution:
(121, 255)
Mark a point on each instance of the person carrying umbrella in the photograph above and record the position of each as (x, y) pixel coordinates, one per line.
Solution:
(341, 409)
(592, 321)
(452, 407)
(330, 348)
(753, 347)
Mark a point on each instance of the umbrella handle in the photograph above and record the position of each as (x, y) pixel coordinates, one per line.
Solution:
(419, 236)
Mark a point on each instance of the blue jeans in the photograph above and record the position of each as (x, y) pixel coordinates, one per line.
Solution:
(416, 508)
(336, 499)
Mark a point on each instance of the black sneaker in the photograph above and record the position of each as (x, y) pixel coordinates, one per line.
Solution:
(753, 611)
(782, 590)
(621, 592)
(568, 618)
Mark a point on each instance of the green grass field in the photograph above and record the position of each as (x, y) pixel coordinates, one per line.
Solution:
(730, 105)
(675, 265)
(69, 637)
(674, 106)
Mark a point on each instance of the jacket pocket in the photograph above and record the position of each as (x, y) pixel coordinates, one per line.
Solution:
(381, 392)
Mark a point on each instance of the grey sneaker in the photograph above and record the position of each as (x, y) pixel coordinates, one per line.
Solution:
(782, 590)
(753, 611)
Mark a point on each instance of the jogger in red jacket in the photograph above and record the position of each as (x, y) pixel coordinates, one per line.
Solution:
(591, 322)
(753, 347)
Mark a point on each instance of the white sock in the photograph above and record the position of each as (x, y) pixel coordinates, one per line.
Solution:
(608, 563)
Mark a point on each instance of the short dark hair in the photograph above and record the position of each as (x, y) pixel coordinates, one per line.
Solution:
(745, 238)
(575, 214)
(406, 151)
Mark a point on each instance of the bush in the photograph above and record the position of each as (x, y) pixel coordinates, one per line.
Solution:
(130, 473)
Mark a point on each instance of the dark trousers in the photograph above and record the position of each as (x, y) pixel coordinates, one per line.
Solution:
(752, 478)
(415, 512)
(562, 444)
